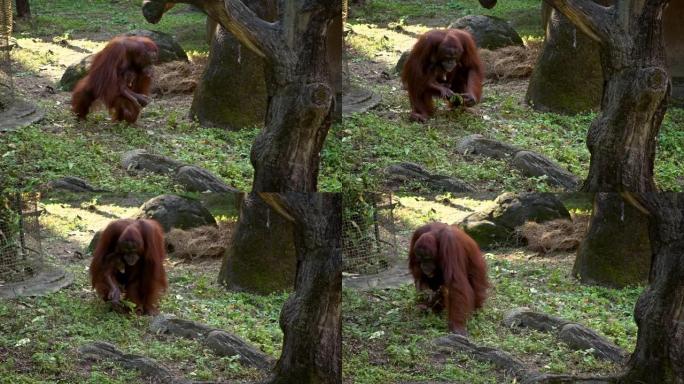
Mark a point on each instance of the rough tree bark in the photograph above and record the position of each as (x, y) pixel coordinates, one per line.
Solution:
(310, 318)
(659, 312)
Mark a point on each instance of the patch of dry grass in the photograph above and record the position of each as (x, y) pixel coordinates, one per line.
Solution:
(555, 235)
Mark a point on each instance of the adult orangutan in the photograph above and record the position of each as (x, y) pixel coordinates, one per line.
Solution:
(128, 259)
(120, 76)
(443, 63)
(445, 260)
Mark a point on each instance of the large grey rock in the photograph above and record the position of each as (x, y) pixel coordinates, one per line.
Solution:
(169, 49)
(405, 172)
(579, 337)
(149, 369)
(479, 145)
(534, 164)
(49, 280)
(489, 32)
(141, 160)
(166, 324)
(74, 73)
(514, 209)
(226, 344)
(72, 184)
(173, 211)
(196, 179)
(487, 233)
(522, 317)
(16, 113)
(402, 61)
(496, 226)
(220, 342)
(357, 99)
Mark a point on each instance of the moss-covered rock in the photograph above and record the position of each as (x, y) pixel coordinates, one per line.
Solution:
(489, 32)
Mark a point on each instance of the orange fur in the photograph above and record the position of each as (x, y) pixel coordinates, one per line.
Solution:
(422, 75)
(460, 277)
(142, 283)
(120, 76)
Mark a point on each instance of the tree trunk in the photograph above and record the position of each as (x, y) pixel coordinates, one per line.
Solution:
(567, 77)
(659, 312)
(622, 138)
(261, 258)
(674, 43)
(334, 50)
(23, 9)
(232, 92)
(615, 251)
(310, 318)
(286, 154)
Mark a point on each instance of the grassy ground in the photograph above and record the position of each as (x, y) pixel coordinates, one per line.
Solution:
(39, 336)
(63, 32)
(387, 339)
(381, 30)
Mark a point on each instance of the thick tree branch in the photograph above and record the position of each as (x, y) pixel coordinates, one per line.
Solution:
(275, 201)
(590, 17)
(260, 36)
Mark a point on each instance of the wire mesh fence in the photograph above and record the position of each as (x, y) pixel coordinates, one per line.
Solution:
(369, 243)
(21, 253)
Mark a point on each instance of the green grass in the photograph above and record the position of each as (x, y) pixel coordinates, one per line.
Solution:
(381, 30)
(105, 18)
(356, 151)
(524, 15)
(93, 151)
(61, 33)
(39, 337)
(387, 339)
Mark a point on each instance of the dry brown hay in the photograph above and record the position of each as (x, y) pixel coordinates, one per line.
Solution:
(178, 76)
(206, 241)
(555, 235)
(510, 62)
